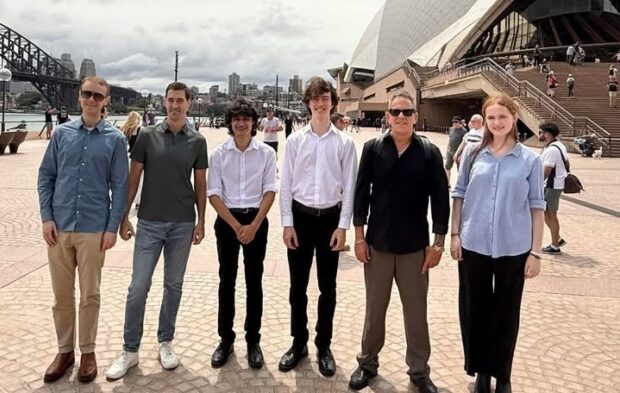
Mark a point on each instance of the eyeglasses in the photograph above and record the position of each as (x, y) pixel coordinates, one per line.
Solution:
(405, 112)
(86, 94)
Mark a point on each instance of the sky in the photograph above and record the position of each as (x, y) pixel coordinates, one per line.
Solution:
(133, 42)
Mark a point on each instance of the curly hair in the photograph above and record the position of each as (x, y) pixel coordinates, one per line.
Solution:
(241, 107)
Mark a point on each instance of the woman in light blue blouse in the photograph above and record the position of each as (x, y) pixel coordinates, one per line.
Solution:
(497, 227)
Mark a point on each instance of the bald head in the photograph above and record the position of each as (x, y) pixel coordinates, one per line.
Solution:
(476, 121)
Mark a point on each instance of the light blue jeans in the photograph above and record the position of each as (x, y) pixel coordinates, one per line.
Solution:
(151, 236)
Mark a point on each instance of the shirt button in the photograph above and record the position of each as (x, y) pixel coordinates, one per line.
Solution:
(79, 196)
(80, 179)
(83, 163)
(85, 148)
(78, 212)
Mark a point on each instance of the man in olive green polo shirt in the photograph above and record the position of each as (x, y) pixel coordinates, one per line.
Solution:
(167, 152)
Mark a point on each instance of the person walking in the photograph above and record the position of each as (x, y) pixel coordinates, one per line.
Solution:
(570, 84)
(496, 235)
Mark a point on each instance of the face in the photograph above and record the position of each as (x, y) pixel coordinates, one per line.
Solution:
(475, 122)
(177, 105)
(270, 115)
(544, 136)
(241, 125)
(321, 105)
(499, 120)
(399, 122)
(93, 97)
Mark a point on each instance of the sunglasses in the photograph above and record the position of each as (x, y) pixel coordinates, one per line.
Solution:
(86, 94)
(405, 112)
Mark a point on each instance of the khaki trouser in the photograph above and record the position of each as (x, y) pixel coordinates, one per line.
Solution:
(413, 288)
(81, 250)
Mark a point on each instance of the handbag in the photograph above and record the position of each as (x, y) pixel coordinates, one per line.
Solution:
(572, 184)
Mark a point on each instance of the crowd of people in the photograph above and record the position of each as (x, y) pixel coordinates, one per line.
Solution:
(87, 185)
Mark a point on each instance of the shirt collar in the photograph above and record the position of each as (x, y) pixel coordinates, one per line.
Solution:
(231, 145)
(332, 130)
(516, 150)
(99, 127)
(164, 127)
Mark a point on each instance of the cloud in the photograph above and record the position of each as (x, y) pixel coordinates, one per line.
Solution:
(133, 43)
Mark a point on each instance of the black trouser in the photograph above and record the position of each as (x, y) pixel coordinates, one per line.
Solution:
(274, 145)
(253, 257)
(313, 233)
(490, 294)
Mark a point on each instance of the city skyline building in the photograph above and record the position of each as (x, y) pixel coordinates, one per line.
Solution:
(87, 68)
(66, 61)
(295, 84)
(234, 80)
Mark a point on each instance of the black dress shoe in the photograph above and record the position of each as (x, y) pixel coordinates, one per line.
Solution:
(327, 363)
(483, 383)
(424, 384)
(290, 359)
(220, 356)
(503, 387)
(360, 378)
(255, 356)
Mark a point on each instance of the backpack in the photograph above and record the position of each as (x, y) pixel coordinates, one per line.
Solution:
(572, 184)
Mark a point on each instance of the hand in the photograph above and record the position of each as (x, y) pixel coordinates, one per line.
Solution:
(290, 238)
(362, 251)
(247, 233)
(455, 248)
(532, 267)
(198, 234)
(50, 233)
(108, 240)
(432, 256)
(126, 230)
(338, 239)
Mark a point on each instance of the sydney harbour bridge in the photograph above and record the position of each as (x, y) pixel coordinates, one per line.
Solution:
(29, 63)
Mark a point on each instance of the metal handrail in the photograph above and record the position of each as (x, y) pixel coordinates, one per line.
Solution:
(521, 89)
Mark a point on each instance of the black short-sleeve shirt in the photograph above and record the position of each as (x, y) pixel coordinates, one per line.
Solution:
(167, 191)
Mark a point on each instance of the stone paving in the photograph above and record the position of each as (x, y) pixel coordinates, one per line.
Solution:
(569, 339)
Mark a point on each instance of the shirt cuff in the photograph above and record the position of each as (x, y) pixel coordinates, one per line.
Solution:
(344, 223)
(287, 221)
(359, 221)
(46, 215)
(270, 189)
(538, 204)
(440, 229)
(112, 227)
(456, 193)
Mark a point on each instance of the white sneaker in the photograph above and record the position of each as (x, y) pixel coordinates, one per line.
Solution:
(119, 368)
(167, 357)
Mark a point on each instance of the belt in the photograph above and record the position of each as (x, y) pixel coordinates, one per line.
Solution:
(243, 210)
(317, 212)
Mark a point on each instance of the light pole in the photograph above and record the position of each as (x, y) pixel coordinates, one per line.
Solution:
(5, 76)
(199, 101)
(145, 94)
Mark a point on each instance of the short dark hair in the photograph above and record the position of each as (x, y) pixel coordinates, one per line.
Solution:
(317, 86)
(241, 107)
(179, 86)
(549, 127)
(403, 94)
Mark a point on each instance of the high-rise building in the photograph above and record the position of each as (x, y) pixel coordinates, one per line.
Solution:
(270, 91)
(87, 68)
(195, 90)
(234, 81)
(249, 90)
(65, 61)
(295, 85)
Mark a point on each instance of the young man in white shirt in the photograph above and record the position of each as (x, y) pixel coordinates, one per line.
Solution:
(241, 188)
(270, 126)
(554, 159)
(316, 204)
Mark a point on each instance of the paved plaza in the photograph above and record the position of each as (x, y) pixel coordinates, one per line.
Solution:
(570, 325)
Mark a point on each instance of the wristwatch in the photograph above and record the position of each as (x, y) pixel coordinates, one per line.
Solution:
(535, 255)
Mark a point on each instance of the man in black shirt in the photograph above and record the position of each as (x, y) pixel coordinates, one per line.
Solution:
(398, 173)
(63, 115)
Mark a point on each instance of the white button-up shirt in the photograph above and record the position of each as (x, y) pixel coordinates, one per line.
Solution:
(241, 178)
(319, 172)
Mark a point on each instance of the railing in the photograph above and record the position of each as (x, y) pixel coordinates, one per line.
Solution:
(574, 125)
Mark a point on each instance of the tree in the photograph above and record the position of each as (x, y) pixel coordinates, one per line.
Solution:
(28, 98)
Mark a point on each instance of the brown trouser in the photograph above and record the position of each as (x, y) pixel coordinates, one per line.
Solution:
(81, 250)
(413, 288)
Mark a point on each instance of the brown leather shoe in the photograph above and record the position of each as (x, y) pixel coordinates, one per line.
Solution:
(59, 366)
(88, 367)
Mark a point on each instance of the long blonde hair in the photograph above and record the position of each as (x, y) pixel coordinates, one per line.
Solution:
(131, 124)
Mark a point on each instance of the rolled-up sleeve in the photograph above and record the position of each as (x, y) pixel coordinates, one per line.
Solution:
(214, 176)
(463, 179)
(536, 193)
(269, 174)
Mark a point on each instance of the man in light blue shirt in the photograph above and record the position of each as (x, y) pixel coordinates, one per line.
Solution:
(82, 195)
